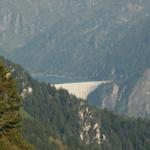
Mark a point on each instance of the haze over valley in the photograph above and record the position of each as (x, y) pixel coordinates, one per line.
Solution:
(91, 40)
(75, 74)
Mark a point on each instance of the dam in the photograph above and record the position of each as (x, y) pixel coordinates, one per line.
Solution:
(81, 89)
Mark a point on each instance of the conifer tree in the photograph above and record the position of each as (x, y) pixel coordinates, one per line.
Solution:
(10, 117)
(10, 101)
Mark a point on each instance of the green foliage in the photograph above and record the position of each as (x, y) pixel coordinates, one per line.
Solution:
(125, 133)
(10, 117)
(52, 122)
(10, 101)
(59, 117)
(14, 141)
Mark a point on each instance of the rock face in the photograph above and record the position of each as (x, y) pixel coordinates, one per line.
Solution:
(139, 100)
(21, 20)
(138, 104)
(82, 28)
(90, 132)
(110, 101)
(105, 96)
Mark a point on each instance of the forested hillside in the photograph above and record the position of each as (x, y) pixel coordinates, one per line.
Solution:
(10, 115)
(53, 120)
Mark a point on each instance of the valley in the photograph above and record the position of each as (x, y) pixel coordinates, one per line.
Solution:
(80, 87)
(74, 75)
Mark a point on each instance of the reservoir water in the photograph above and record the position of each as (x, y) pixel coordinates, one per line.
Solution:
(55, 79)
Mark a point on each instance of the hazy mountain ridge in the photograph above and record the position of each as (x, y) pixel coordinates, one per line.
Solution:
(82, 34)
(124, 62)
(21, 20)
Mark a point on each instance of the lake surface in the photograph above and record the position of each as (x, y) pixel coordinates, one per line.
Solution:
(54, 79)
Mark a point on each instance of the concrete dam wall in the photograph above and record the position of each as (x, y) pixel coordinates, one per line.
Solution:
(81, 89)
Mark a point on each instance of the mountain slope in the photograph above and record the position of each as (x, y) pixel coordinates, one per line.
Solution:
(56, 120)
(123, 60)
(56, 114)
(21, 20)
(82, 37)
(127, 66)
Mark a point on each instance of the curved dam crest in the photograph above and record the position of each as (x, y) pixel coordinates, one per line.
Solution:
(81, 89)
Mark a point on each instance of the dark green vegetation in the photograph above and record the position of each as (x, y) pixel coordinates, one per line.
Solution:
(10, 116)
(125, 133)
(51, 120)
(51, 116)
